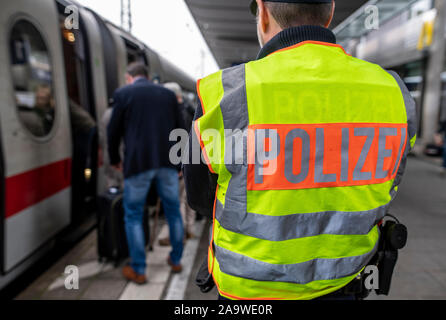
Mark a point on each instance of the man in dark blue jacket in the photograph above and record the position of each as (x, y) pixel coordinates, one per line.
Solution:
(144, 114)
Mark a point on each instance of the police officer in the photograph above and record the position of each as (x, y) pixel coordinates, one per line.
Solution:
(304, 150)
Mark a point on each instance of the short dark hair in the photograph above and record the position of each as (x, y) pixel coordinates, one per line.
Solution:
(290, 15)
(138, 69)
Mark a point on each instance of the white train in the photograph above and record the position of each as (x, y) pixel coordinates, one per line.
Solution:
(48, 75)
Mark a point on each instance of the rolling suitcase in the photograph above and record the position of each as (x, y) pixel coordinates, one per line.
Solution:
(433, 150)
(112, 240)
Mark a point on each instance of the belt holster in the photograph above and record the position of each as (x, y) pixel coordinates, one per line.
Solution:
(393, 238)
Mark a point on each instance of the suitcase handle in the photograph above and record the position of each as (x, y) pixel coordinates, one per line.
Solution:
(113, 226)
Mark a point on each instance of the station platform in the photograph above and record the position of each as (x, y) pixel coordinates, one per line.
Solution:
(102, 281)
(419, 274)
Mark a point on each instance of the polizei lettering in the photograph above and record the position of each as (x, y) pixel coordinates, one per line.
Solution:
(322, 156)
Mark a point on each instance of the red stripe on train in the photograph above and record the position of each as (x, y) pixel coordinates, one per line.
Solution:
(29, 188)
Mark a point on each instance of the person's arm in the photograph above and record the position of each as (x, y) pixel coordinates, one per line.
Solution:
(179, 120)
(115, 131)
(189, 114)
(201, 184)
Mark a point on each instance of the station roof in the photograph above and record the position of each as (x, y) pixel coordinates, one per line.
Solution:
(355, 25)
(230, 29)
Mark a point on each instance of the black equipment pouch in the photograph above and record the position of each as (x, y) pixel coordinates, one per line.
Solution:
(393, 238)
(386, 266)
(204, 279)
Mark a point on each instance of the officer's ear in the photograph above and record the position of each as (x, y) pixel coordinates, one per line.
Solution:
(263, 16)
(333, 8)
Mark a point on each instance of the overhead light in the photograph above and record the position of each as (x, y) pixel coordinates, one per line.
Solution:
(69, 36)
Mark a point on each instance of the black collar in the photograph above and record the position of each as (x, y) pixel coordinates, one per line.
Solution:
(290, 37)
(141, 79)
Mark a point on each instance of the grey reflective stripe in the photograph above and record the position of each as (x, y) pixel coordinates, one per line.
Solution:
(241, 266)
(294, 226)
(345, 154)
(234, 104)
(412, 129)
(409, 102)
(235, 154)
(289, 156)
(358, 174)
(319, 175)
(234, 108)
(383, 152)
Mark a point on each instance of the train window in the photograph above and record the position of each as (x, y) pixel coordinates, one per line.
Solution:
(134, 53)
(32, 78)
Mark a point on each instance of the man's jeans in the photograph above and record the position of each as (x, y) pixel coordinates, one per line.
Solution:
(136, 189)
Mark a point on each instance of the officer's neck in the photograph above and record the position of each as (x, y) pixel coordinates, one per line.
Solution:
(292, 36)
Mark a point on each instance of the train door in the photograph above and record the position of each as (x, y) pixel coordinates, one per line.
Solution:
(35, 129)
(121, 55)
(114, 63)
(99, 82)
(128, 50)
(82, 108)
(156, 69)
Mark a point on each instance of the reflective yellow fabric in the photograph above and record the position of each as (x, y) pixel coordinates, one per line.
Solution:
(313, 83)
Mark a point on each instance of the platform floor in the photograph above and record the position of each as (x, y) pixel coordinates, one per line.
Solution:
(420, 272)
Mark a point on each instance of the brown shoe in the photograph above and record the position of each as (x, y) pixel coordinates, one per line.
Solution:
(190, 235)
(176, 268)
(164, 242)
(132, 276)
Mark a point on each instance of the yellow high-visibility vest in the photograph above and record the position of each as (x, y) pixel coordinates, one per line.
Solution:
(309, 145)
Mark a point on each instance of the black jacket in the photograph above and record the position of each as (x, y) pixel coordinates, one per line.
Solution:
(144, 114)
(200, 183)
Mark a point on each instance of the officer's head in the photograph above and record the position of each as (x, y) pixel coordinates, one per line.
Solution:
(136, 70)
(274, 16)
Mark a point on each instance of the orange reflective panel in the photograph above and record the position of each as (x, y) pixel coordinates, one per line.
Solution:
(286, 157)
